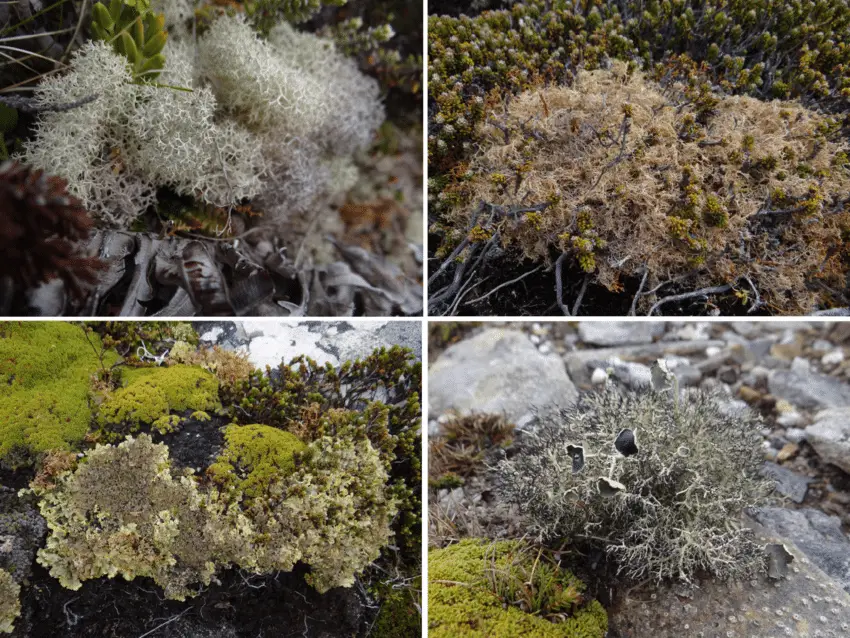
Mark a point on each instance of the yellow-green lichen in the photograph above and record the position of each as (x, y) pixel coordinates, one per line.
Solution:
(466, 581)
(148, 394)
(10, 604)
(255, 456)
(46, 371)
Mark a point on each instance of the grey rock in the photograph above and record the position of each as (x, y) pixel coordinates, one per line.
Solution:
(580, 373)
(634, 375)
(788, 483)
(806, 389)
(805, 604)
(22, 530)
(830, 436)
(498, 371)
(687, 375)
(760, 347)
(816, 534)
(791, 419)
(619, 333)
(795, 435)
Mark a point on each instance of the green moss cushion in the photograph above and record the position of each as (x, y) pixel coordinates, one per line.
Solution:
(462, 601)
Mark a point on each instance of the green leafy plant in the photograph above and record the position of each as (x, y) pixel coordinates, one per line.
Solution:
(135, 32)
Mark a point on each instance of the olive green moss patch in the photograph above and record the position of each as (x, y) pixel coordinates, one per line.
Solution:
(46, 371)
(475, 584)
(148, 394)
(255, 457)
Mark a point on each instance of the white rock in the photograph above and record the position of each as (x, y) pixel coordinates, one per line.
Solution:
(599, 376)
(832, 358)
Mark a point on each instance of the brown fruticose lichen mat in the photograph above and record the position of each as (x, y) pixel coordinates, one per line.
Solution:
(665, 178)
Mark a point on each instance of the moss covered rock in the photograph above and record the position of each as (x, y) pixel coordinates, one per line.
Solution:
(46, 370)
(149, 394)
(475, 585)
(254, 457)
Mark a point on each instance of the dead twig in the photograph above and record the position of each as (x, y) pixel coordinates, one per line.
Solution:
(559, 291)
(633, 309)
(581, 292)
(507, 283)
(702, 292)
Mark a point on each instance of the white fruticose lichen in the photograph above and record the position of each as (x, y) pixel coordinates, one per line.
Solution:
(263, 119)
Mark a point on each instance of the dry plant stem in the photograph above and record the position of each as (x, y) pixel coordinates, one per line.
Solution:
(500, 286)
(633, 309)
(702, 292)
(581, 294)
(460, 246)
(758, 303)
(559, 289)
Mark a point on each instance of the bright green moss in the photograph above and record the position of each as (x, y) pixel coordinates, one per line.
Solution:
(46, 370)
(254, 458)
(149, 394)
(464, 602)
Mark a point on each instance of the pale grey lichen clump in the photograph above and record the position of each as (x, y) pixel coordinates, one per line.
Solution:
(657, 480)
(277, 119)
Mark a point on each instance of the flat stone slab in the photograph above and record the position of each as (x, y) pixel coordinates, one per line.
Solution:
(806, 604)
(807, 389)
(817, 534)
(619, 333)
(498, 372)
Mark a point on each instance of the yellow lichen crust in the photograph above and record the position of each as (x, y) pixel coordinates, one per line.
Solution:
(741, 188)
(334, 511)
(149, 394)
(255, 456)
(10, 604)
(46, 371)
(476, 589)
(122, 513)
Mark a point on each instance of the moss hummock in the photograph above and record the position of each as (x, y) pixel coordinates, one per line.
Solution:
(46, 370)
(255, 457)
(466, 583)
(148, 394)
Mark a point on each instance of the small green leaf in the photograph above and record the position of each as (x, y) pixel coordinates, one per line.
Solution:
(102, 19)
(130, 49)
(115, 7)
(155, 44)
(139, 33)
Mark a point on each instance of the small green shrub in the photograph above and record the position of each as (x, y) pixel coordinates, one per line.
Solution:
(483, 588)
(657, 482)
(399, 617)
(10, 604)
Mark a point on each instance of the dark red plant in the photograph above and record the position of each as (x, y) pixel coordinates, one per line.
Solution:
(41, 227)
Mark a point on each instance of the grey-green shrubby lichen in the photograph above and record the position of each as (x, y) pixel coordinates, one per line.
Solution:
(667, 511)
